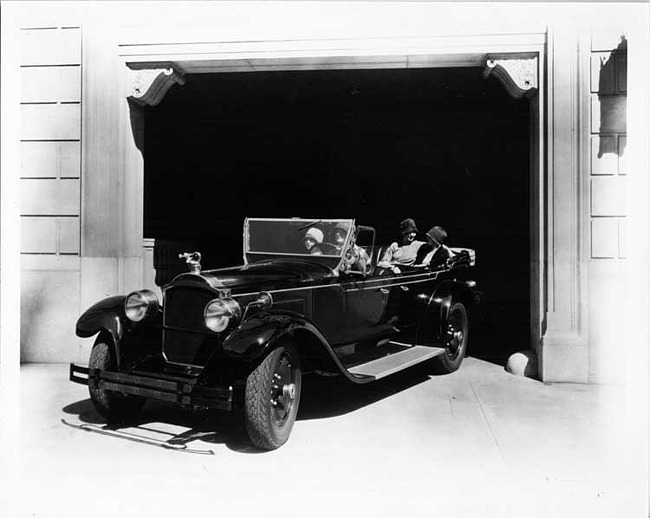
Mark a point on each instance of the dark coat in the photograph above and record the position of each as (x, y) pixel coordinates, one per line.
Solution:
(439, 258)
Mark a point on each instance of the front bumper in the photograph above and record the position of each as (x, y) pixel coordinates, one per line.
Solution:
(181, 391)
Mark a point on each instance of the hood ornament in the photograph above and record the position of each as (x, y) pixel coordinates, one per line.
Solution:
(193, 259)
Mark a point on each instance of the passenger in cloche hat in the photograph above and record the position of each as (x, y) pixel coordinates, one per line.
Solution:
(404, 252)
(437, 253)
(408, 227)
(359, 256)
(437, 236)
(340, 234)
(313, 237)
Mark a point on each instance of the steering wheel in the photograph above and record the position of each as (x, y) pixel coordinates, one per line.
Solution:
(354, 261)
(328, 248)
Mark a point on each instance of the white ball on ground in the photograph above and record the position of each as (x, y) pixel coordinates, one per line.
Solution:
(523, 363)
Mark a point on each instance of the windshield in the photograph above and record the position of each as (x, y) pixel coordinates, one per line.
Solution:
(297, 237)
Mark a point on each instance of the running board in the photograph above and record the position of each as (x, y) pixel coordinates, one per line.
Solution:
(396, 362)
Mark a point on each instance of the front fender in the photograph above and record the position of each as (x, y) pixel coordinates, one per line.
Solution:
(107, 314)
(254, 337)
(130, 340)
(258, 335)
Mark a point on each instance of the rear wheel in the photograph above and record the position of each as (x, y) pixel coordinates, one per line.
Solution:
(455, 339)
(272, 398)
(112, 405)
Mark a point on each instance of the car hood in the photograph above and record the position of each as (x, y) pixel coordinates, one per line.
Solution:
(261, 276)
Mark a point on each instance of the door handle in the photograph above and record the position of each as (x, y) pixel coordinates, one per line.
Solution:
(385, 291)
(404, 288)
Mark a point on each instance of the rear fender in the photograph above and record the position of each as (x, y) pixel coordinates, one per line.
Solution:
(443, 297)
(464, 292)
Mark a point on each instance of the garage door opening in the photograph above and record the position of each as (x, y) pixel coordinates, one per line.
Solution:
(444, 146)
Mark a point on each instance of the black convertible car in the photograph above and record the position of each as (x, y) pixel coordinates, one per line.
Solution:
(244, 336)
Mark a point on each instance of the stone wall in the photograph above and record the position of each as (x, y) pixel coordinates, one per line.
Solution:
(50, 188)
(609, 229)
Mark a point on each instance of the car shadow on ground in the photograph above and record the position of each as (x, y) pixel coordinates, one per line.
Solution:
(331, 397)
(162, 421)
(321, 398)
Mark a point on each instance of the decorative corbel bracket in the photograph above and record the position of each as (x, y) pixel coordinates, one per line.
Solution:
(148, 86)
(518, 75)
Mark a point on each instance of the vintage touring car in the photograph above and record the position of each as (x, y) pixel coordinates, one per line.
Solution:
(242, 337)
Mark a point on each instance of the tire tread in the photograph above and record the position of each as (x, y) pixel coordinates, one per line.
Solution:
(443, 364)
(259, 425)
(111, 405)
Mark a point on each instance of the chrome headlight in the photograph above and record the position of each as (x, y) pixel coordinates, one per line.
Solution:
(140, 304)
(219, 313)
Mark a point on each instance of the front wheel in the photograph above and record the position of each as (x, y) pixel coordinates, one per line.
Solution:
(272, 398)
(112, 405)
(455, 339)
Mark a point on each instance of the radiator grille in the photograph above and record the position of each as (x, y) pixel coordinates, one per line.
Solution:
(184, 307)
(186, 340)
(188, 348)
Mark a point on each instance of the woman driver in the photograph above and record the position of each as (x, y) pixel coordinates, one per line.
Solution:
(313, 237)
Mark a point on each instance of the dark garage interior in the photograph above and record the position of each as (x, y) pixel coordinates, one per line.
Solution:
(444, 146)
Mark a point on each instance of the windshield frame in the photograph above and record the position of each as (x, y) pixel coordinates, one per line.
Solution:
(307, 223)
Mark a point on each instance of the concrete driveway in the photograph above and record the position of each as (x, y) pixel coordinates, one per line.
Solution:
(479, 442)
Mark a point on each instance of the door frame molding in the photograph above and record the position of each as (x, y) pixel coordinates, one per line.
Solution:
(147, 71)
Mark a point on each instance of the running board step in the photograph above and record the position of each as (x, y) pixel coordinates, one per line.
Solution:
(396, 362)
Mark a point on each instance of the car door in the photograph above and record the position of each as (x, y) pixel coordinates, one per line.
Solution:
(401, 307)
(328, 312)
(365, 304)
(351, 310)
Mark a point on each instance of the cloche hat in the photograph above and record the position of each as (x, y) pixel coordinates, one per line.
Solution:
(315, 234)
(342, 226)
(437, 234)
(407, 226)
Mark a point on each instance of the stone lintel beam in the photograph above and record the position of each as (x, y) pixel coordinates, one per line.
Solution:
(148, 86)
(518, 75)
